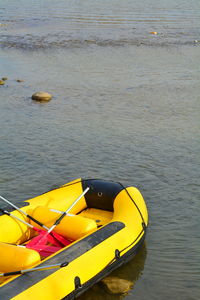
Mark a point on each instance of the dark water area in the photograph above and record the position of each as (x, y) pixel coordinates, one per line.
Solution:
(125, 107)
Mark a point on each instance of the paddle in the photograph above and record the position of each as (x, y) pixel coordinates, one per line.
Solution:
(39, 242)
(45, 250)
(54, 236)
(64, 214)
(24, 213)
(35, 269)
(15, 217)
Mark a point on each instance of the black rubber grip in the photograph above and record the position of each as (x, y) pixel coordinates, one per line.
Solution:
(36, 221)
(5, 212)
(60, 219)
(12, 273)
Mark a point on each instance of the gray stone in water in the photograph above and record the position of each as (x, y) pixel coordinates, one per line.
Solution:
(42, 96)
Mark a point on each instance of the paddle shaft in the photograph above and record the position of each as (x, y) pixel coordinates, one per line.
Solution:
(35, 269)
(66, 212)
(61, 212)
(15, 217)
(36, 221)
(24, 213)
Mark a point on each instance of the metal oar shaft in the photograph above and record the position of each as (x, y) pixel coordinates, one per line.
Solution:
(61, 212)
(65, 212)
(15, 217)
(35, 269)
(24, 213)
(38, 222)
(74, 203)
(13, 205)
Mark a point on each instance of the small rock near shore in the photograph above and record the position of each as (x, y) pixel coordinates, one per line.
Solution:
(41, 96)
(2, 82)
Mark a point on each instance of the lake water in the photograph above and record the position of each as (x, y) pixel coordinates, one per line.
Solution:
(125, 107)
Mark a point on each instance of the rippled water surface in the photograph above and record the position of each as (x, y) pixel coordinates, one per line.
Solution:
(125, 107)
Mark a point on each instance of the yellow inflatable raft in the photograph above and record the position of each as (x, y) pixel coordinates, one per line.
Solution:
(105, 228)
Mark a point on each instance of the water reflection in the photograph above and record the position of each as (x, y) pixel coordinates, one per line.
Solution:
(125, 276)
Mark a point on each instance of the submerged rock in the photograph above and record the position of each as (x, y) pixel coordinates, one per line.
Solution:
(4, 78)
(2, 82)
(116, 286)
(19, 80)
(42, 96)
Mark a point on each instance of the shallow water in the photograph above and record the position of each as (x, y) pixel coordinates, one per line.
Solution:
(44, 24)
(125, 108)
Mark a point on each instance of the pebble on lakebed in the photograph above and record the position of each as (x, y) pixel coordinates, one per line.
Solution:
(116, 286)
(41, 96)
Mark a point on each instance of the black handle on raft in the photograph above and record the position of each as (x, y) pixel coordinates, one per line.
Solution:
(64, 264)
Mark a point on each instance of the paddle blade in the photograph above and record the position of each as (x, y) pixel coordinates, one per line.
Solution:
(47, 243)
(44, 250)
